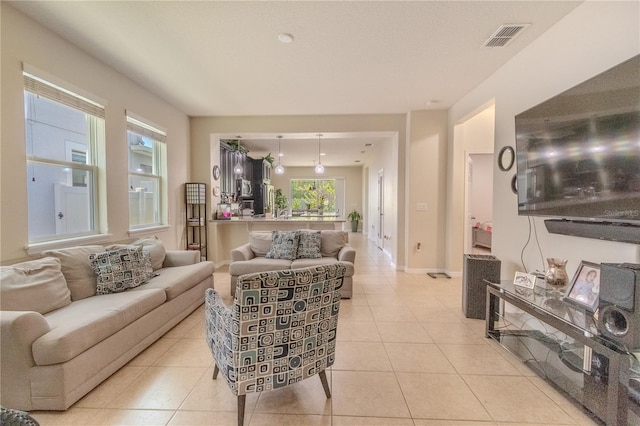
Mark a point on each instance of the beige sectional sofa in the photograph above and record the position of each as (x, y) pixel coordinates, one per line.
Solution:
(258, 255)
(60, 339)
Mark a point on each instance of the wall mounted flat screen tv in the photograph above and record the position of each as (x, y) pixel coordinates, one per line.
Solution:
(578, 153)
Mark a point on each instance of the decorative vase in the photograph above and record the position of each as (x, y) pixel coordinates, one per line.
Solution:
(556, 273)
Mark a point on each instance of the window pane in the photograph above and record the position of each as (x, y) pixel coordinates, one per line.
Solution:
(140, 153)
(144, 201)
(60, 171)
(313, 197)
(146, 170)
(53, 129)
(56, 206)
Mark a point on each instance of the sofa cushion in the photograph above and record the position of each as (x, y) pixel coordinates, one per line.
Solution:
(260, 243)
(121, 269)
(36, 285)
(178, 279)
(258, 264)
(156, 249)
(77, 269)
(82, 324)
(284, 245)
(309, 245)
(306, 263)
(332, 241)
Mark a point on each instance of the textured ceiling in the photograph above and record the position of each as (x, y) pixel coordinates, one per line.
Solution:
(347, 57)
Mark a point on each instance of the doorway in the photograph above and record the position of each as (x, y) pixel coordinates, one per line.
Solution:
(475, 140)
(380, 239)
(478, 203)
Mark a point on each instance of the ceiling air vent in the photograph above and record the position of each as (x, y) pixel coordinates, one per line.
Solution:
(504, 35)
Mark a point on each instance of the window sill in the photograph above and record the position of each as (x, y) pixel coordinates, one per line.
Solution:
(148, 231)
(37, 248)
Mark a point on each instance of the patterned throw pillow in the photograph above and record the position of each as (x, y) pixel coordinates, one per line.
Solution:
(121, 269)
(284, 245)
(309, 245)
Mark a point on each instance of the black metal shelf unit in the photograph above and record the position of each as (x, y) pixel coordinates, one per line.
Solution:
(196, 212)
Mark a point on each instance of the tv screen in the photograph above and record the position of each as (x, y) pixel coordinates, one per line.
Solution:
(578, 153)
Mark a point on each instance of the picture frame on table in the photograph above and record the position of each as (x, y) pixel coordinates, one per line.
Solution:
(584, 290)
(524, 280)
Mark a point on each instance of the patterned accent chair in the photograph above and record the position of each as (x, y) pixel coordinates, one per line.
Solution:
(280, 330)
(11, 417)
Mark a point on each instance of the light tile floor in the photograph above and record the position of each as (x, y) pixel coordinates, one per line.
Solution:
(406, 355)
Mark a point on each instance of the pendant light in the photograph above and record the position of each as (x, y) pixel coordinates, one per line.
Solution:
(279, 169)
(319, 168)
(237, 169)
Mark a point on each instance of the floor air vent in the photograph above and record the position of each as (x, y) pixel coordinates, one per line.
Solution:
(504, 35)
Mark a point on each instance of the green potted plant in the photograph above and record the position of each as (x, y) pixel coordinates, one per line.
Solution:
(280, 201)
(354, 217)
(235, 146)
(269, 159)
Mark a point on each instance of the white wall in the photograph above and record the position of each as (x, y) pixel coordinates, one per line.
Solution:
(426, 191)
(24, 40)
(592, 38)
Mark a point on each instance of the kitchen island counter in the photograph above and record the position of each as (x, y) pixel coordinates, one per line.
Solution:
(289, 223)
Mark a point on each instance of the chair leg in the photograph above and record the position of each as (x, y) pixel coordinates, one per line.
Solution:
(215, 372)
(241, 402)
(325, 384)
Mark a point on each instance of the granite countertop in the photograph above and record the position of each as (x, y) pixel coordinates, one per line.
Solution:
(287, 219)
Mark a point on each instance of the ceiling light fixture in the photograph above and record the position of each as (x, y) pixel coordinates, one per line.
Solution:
(279, 169)
(319, 168)
(285, 38)
(237, 169)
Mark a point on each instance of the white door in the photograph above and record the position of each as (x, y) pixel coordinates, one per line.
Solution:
(381, 209)
(71, 209)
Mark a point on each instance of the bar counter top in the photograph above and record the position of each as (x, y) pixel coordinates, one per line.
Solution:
(283, 224)
(279, 220)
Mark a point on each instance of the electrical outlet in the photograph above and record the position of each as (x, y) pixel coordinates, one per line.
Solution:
(421, 207)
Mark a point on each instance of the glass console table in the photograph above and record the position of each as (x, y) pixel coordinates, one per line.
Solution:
(561, 343)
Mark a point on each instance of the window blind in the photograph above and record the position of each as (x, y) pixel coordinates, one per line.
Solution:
(144, 129)
(41, 87)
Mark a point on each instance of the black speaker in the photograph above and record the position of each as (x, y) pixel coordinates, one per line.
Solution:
(619, 305)
(476, 268)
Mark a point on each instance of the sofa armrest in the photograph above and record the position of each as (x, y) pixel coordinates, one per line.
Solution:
(347, 254)
(181, 258)
(19, 329)
(243, 252)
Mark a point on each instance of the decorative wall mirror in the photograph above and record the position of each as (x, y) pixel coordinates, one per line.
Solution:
(506, 157)
(514, 184)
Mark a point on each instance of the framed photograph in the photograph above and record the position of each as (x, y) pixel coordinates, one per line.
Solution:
(524, 280)
(585, 286)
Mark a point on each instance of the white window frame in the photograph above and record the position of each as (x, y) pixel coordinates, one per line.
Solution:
(41, 84)
(143, 127)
